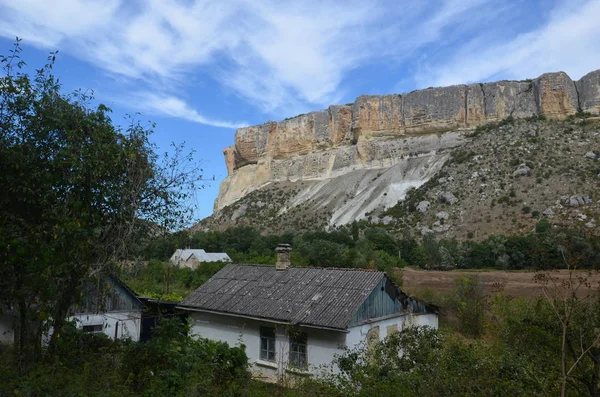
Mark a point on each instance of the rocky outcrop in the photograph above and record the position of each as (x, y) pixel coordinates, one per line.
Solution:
(588, 88)
(556, 95)
(508, 98)
(379, 131)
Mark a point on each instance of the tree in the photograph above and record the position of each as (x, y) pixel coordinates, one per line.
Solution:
(577, 318)
(470, 304)
(76, 190)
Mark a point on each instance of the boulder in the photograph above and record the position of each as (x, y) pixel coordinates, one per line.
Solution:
(548, 212)
(576, 200)
(424, 230)
(590, 155)
(448, 197)
(441, 228)
(241, 210)
(422, 206)
(522, 170)
(442, 215)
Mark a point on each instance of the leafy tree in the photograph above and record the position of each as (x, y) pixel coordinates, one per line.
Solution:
(470, 304)
(76, 190)
(420, 361)
(382, 241)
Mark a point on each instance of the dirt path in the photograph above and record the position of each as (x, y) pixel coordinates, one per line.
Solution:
(514, 283)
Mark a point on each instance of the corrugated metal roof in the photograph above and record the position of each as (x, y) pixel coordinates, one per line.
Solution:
(182, 255)
(322, 297)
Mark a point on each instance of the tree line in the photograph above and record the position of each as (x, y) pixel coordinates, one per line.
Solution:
(376, 247)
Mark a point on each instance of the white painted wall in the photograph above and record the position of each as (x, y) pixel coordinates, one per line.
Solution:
(321, 344)
(7, 328)
(359, 333)
(129, 323)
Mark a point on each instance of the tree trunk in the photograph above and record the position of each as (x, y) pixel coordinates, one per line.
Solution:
(563, 361)
(593, 386)
(26, 341)
(22, 337)
(60, 315)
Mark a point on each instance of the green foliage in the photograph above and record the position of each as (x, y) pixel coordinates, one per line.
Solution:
(161, 279)
(76, 191)
(170, 364)
(419, 361)
(346, 248)
(462, 156)
(542, 226)
(531, 331)
(470, 304)
(173, 364)
(382, 241)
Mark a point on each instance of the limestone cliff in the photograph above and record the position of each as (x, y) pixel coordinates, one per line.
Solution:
(380, 133)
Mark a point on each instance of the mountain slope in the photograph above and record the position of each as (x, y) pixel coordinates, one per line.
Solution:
(504, 177)
(354, 162)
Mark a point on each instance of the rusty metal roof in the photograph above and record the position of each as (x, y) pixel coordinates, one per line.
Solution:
(321, 297)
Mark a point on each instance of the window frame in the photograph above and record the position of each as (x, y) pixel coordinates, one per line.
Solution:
(94, 329)
(268, 340)
(298, 356)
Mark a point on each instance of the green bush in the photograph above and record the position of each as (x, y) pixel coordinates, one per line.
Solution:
(170, 364)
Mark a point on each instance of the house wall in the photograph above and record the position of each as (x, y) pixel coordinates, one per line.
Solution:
(7, 328)
(379, 303)
(383, 301)
(129, 323)
(321, 344)
(359, 333)
(191, 262)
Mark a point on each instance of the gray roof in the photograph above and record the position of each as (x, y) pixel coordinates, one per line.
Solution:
(322, 297)
(200, 254)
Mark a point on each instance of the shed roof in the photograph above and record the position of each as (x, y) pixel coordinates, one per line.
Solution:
(321, 297)
(201, 255)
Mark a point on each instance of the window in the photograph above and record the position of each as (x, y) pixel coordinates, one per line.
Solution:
(298, 356)
(267, 344)
(94, 329)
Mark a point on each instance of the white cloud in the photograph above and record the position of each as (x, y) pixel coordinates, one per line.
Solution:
(283, 57)
(276, 55)
(568, 41)
(175, 107)
(48, 23)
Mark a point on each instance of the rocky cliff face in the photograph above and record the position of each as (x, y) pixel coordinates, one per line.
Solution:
(407, 136)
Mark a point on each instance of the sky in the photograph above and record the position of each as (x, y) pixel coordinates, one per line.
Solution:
(200, 69)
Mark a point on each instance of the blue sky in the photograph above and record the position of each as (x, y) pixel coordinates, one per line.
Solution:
(200, 68)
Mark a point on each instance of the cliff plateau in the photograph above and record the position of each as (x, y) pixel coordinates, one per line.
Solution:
(351, 161)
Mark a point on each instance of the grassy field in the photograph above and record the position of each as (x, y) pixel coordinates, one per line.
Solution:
(515, 283)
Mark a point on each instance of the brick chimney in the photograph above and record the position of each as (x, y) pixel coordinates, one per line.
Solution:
(283, 256)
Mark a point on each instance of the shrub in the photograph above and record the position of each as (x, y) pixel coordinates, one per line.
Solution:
(542, 226)
(470, 304)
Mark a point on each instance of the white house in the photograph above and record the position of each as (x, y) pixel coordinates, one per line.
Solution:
(111, 308)
(193, 257)
(294, 319)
